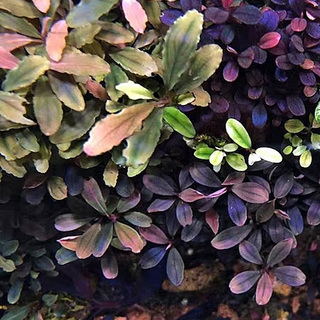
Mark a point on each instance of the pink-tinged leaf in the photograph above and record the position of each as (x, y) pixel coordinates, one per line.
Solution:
(191, 195)
(249, 252)
(42, 5)
(264, 289)
(226, 3)
(279, 252)
(251, 192)
(234, 178)
(230, 237)
(269, 40)
(212, 219)
(135, 15)
(298, 24)
(160, 205)
(127, 203)
(56, 40)
(128, 237)
(244, 281)
(175, 267)
(154, 234)
(291, 276)
(7, 59)
(103, 240)
(109, 265)
(296, 105)
(313, 214)
(245, 58)
(45, 25)
(184, 213)
(217, 193)
(12, 41)
(110, 131)
(231, 71)
(69, 243)
(70, 221)
(96, 89)
(86, 241)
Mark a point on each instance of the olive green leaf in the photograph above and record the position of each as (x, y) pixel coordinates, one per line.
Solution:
(86, 242)
(315, 140)
(10, 147)
(28, 140)
(113, 33)
(317, 113)
(294, 126)
(27, 72)
(57, 188)
(12, 167)
(203, 153)
(202, 66)
(19, 25)
(7, 265)
(15, 290)
(287, 150)
(135, 91)
(17, 313)
(47, 108)
(236, 161)
(180, 44)
(138, 219)
(74, 151)
(216, 157)
(110, 174)
(41, 159)
(141, 145)
(305, 159)
(6, 125)
(269, 154)
(82, 35)
(132, 172)
(238, 133)
(66, 89)
(88, 11)
(179, 122)
(153, 12)
(135, 61)
(20, 8)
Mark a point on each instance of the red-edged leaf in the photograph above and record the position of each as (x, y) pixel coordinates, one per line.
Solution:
(217, 193)
(96, 89)
(279, 252)
(264, 289)
(42, 5)
(129, 237)
(56, 40)
(175, 267)
(70, 242)
(154, 234)
(152, 257)
(269, 40)
(12, 41)
(184, 213)
(298, 24)
(70, 221)
(249, 252)
(7, 59)
(313, 214)
(244, 281)
(234, 178)
(158, 185)
(135, 15)
(103, 240)
(109, 265)
(191, 195)
(212, 219)
(251, 192)
(86, 241)
(290, 275)
(230, 237)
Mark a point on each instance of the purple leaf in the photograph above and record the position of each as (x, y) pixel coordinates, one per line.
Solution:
(313, 30)
(103, 240)
(219, 104)
(169, 16)
(269, 21)
(290, 275)
(158, 185)
(85, 244)
(269, 40)
(283, 185)
(230, 71)
(249, 252)
(237, 210)
(70, 221)
(152, 257)
(154, 234)
(313, 214)
(296, 221)
(185, 179)
(124, 186)
(297, 188)
(191, 195)
(212, 219)
(190, 4)
(307, 78)
(189, 232)
(247, 14)
(160, 205)
(256, 238)
(109, 265)
(264, 289)
(283, 62)
(260, 56)
(298, 24)
(265, 212)
(259, 116)
(296, 58)
(297, 6)
(217, 193)
(276, 230)
(227, 34)
(279, 252)
(125, 204)
(233, 178)
(73, 181)
(297, 43)
(230, 237)
(175, 267)
(296, 105)
(244, 281)
(204, 175)
(35, 196)
(245, 58)
(184, 213)
(251, 192)
(172, 222)
(216, 15)
(255, 93)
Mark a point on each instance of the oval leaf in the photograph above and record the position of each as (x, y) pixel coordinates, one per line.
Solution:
(290, 275)
(313, 214)
(238, 133)
(251, 192)
(135, 91)
(103, 240)
(109, 265)
(154, 234)
(135, 15)
(152, 257)
(283, 185)
(264, 289)
(249, 252)
(56, 40)
(175, 267)
(279, 252)
(244, 281)
(158, 185)
(237, 210)
(86, 242)
(269, 154)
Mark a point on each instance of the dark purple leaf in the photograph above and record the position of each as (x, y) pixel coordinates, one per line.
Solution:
(230, 71)
(244, 281)
(283, 185)
(154, 234)
(227, 34)
(219, 104)
(70, 221)
(264, 289)
(263, 182)
(212, 219)
(254, 77)
(247, 14)
(298, 24)
(245, 58)
(313, 214)
(283, 62)
(269, 21)
(290, 275)
(265, 212)
(184, 213)
(297, 6)
(251, 192)
(256, 238)
(216, 15)
(152, 257)
(169, 16)
(190, 4)
(93, 196)
(103, 240)
(276, 230)
(191, 195)
(296, 221)
(175, 267)
(234, 112)
(109, 265)
(307, 78)
(230, 237)
(35, 180)
(160, 205)
(297, 42)
(158, 185)
(125, 204)
(249, 252)
(282, 105)
(297, 188)
(260, 56)
(73, 181)
(204, 175)
(35, 196)
(279, 252)
(189, 232)
(259, 116)
(233, 178)
(269, 40)
(204, 205)
(185, 179)
(124, 186)
(281, 76)
(237, 210)
(296, 58)
(255, 93)
(172, 222)
(313, 30)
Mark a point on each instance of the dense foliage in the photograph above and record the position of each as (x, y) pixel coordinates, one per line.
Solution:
(146, 126)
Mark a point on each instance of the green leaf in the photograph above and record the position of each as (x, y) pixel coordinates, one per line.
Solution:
(13, 168)
(294, 126)
(114, 33)
(20, 8)
(138, 219)
(204, 153)
(28, 140)
(230, 147)
(57, 188)
(238, 133)
(67, 91)
(298, 151)
(216, 157)
(103, 240)
(15, 291)
(47, 108)
(110, 174)
(142, 144)
(135, 61)
(7, 265)
(315, 140)
(88, 11)
(10, 147)
(132, 172)
(27, 72)
(180, 44)
(202, 66)
(17, 313)
(41, 160)
(287, 150)
(269, 154)
(185, 98)
(50, 299)
(19, 25)
(75, 124)
(305, 159)
(135, 91)
(317, 113)
(236, 161)
(83, 35)
(179, 122)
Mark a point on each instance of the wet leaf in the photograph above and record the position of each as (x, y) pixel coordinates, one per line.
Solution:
(135, 15)
(251, 192)
(237, 210)
(154, 234)
(175, 267)
(264, 289)
(109, 265)
(269, 154)
(291, 276)
(238, 133)
(103, 240)
(244, 281)
(283, 185)
(152, 257)
(249, 252)
(279, 252)
(7, 59)
(86, 242)
(56, 40)
(135, 91)
(57, 188)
